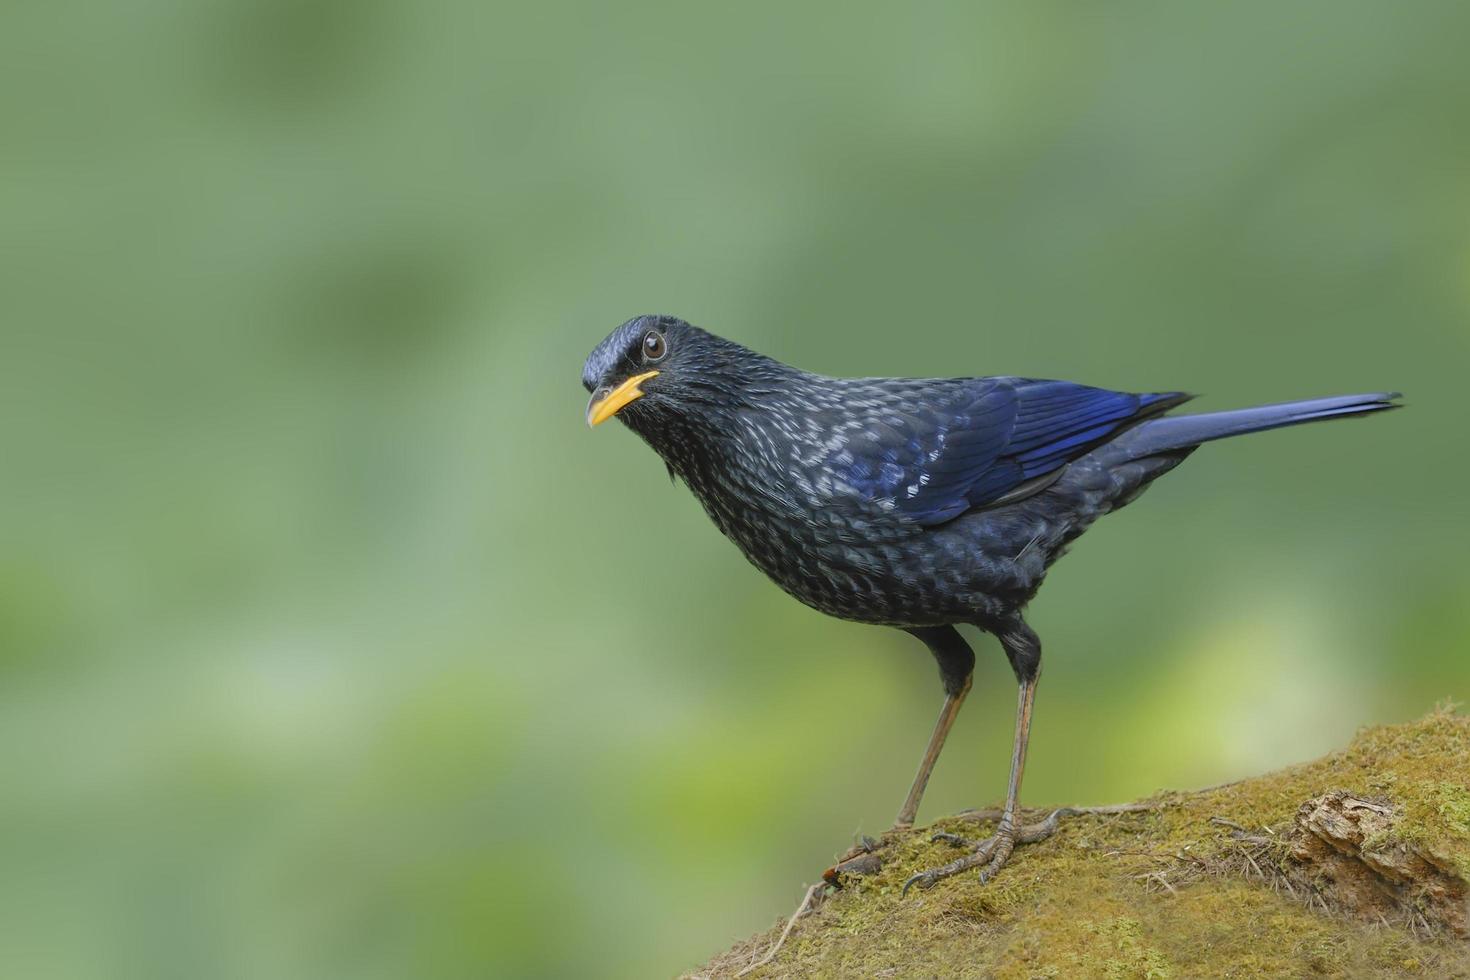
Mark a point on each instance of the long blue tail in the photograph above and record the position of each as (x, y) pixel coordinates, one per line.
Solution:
(1183, 431)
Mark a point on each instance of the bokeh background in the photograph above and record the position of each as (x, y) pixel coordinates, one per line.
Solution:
(334, 644)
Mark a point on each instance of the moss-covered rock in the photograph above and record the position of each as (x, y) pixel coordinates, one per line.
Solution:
(1353, 865)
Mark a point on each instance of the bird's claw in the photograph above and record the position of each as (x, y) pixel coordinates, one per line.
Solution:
(1001, 854)
(924, 879)
(928, 879)
(990, 855)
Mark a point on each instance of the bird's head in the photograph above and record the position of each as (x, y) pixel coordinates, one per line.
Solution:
(626, 366)
(655, 372)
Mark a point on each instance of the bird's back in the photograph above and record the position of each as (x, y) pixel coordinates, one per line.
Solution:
(929, 450)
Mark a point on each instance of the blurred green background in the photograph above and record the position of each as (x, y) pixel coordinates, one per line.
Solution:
(334, 644)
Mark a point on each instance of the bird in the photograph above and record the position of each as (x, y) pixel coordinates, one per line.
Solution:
(921, 504)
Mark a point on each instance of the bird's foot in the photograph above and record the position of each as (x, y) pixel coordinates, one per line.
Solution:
(993, 852)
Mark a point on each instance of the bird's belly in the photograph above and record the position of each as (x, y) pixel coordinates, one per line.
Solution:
(958, 573)
(856, 560)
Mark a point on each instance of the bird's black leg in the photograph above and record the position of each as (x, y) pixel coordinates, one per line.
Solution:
(956, 668)
(947, 715)
(1024, 651)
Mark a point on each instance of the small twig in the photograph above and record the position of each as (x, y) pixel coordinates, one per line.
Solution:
(994, 813)
(1160, 877)
(1135, 852)
(1256, 839)
(776, 948)
(1211, 789)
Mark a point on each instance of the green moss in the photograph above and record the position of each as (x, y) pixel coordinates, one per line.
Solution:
(1142, 895)
(1425, 769)
(1454, 808)
(1115, 948)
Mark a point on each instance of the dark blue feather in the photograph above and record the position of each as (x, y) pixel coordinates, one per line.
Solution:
(1182, 431)
(996, 434)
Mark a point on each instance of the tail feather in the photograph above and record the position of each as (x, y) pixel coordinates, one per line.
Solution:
(1183, 431)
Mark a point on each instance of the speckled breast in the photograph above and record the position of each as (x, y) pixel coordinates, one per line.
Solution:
(858, 562)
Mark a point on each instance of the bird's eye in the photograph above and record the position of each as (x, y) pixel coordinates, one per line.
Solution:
(654, 347)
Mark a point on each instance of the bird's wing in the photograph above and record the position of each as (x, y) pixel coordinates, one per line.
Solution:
(935, 452)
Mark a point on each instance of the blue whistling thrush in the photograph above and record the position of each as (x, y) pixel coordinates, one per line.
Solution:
(908, 502)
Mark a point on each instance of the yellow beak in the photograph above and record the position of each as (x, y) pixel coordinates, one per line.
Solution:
(600, 409)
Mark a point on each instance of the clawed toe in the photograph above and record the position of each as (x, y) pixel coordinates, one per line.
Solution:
(924, 879)
(992, 853)
(1002, 853)
(980, 853)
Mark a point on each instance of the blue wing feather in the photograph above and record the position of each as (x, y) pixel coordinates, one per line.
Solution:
(976, 445)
